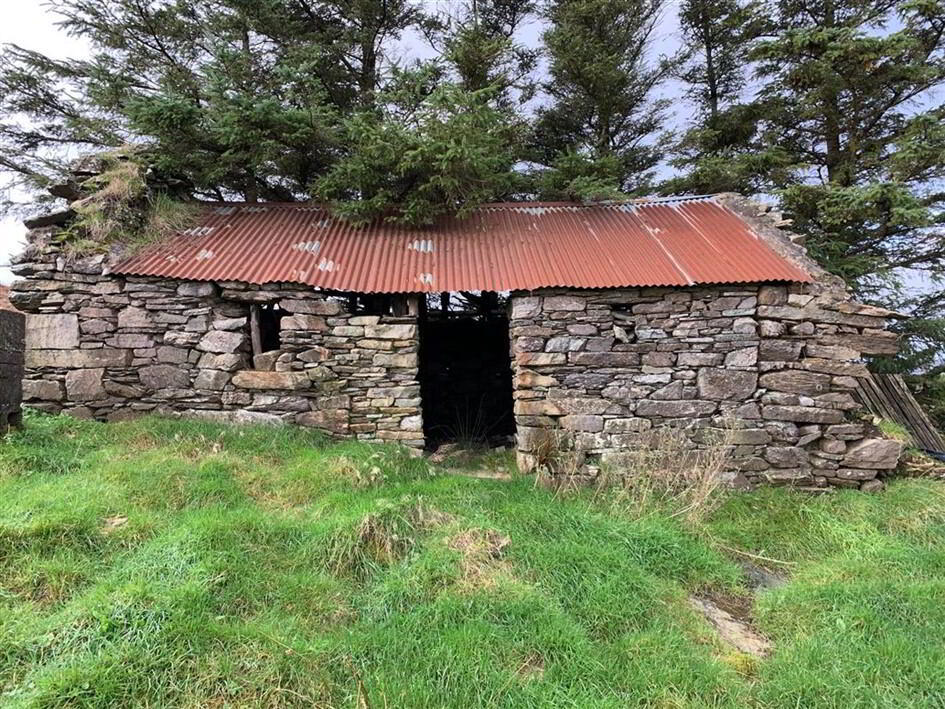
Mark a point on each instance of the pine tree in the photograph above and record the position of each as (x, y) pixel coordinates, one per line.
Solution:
(430, 147)
(721, 35)
(477, 41)
(847, 131)
(240, 98)
(604, 128)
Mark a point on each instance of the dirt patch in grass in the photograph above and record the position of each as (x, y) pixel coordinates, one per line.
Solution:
(533, 668)
(732, 618)
(481, 552)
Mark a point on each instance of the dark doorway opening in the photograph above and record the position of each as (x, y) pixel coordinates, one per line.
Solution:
(465, 370)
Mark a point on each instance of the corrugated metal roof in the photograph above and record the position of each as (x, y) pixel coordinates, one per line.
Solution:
(501, 247)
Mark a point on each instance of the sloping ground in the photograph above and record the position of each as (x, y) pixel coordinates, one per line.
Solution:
(183, 564)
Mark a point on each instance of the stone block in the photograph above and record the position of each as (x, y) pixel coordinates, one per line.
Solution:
(311, 306)
(221, 342)
(699, 359)
(310, 323)
(52, 332)
(796, 382)
(583, 422)
(838, 352)
(42, 389)
(540, 359)
(564, 343)
(537, 407)
(266, 362)
(604, 359)
(846, 431)
(229, 324)
(131, 318)
(570, 303)
(411, 423)
(748, 436)
(676, 409)
(726, 384)
(406, 361)
(212, 379)
(225, 362)
(627, 425)
(238, 416)
(744, 357)
(582, 405)
(873, 454)
(196, 289)
(840, 369)
(528, 379)
(391, 332)
(786, 456)
(78, 359)
(85, 385)
(270, 380)
(131, 341)
(801, 414)
(334, 421)
(771, 328)
(525, 307)
(164, 376)
(772, 295)
(779, 350)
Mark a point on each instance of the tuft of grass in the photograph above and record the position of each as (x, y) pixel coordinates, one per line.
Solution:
(120, 209)
(894, 430)
(179, 563)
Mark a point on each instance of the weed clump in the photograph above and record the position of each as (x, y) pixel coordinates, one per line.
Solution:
(669, 474)
(383, 536)
(122, 210)
(481, 557)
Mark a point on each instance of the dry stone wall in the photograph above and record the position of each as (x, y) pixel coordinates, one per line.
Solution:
(766, 369)
(112, 347)
(11, 368)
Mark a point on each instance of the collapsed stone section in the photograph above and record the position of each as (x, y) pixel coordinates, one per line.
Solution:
(110, 347)
(770, 369)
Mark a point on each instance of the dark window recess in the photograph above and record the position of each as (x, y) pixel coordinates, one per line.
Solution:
(625, 326)
(265, 324)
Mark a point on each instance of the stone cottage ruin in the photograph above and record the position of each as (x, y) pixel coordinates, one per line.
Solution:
(588, 327)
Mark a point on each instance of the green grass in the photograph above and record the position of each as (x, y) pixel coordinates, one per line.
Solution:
(165, 563)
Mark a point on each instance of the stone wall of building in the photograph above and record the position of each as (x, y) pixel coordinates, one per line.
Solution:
(11, 368)
(768, 369)
(111, 347)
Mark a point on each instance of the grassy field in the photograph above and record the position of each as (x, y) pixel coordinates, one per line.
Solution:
(162, 563)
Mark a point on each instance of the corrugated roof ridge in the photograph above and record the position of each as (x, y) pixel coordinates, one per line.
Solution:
(488, 206)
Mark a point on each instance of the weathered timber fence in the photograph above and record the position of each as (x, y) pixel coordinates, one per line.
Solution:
(887, 396)
(12, 346)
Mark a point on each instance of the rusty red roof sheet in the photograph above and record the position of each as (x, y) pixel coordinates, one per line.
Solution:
(501, 247)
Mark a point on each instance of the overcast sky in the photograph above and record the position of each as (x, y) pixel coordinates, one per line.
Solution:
(29, 24)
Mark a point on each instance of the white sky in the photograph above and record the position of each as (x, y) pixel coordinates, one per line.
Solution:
(27, 23)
